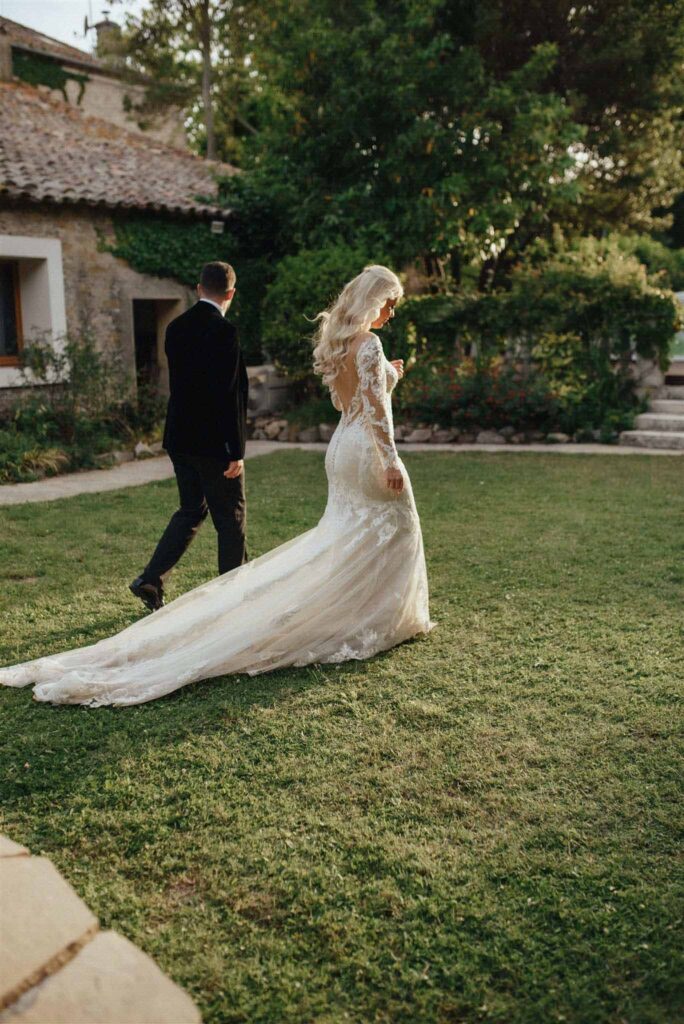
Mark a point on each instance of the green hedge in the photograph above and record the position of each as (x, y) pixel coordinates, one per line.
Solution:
(573, 324)
(304, 285)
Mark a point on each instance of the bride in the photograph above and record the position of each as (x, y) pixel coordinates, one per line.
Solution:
(349, 588)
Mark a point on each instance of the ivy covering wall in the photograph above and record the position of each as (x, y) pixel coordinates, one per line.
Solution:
(166, 248)
(36, 70)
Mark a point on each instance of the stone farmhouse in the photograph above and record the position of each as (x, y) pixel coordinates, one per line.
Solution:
(73, 159)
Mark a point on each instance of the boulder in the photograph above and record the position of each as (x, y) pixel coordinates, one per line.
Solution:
(143, 451)
(557, 438)
(517, 438)
(326, 431)
(507, 432)
(400, 432)
(308, 435)
(259, 435)
(119, 457)
(419, 436)
(157, 447)
(535, 436)
(284, 434)
(443, 436)
(274, 428)
(490, 437)
(466, 438)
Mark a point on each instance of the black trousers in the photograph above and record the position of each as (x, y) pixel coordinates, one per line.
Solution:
(203, 489)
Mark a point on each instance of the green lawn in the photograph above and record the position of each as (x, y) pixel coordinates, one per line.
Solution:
(477, 826)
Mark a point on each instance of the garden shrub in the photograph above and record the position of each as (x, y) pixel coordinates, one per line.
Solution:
(576, 322)
(424, 324)
(82, 408)
(477, 395)
(665, 266)
(22, 458)
(304, 285)
(312, 412)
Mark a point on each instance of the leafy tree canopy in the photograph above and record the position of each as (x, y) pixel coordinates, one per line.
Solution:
(439, 131)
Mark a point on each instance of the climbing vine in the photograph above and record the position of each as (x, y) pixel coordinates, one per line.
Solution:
(166, 248)
(38, 70)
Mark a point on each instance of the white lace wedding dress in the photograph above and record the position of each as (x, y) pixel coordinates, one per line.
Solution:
(349, 588)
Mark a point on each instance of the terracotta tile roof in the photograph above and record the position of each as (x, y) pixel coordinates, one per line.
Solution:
(23, 36)
(53, 152)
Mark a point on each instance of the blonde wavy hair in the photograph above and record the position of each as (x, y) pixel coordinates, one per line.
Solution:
(352, 313)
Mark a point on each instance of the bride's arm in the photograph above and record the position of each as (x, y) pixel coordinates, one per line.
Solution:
(370, 364)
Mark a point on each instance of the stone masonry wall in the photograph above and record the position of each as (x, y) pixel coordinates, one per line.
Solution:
(99, 287)
(105, 97)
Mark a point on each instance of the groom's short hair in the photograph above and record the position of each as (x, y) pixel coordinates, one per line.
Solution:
(217, 278)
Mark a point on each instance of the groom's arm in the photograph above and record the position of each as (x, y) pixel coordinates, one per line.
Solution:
(228, 379)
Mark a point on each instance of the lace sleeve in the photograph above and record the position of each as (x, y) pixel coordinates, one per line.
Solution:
(370, 364)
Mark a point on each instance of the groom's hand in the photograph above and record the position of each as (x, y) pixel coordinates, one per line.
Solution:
(234, 469)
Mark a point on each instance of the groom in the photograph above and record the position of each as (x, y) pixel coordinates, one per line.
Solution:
(204, 433)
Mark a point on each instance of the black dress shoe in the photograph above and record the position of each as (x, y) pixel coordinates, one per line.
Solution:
(151, 596)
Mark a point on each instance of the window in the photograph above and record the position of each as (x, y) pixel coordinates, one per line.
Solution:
(10, 313)
(32, 300)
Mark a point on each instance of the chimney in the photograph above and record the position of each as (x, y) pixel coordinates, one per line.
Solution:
(108, 38)
(6, 72)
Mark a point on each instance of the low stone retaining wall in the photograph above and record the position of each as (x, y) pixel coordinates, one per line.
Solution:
(272, 428)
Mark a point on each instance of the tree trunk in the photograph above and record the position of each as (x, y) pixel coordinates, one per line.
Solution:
(486, 276)
(207, 102)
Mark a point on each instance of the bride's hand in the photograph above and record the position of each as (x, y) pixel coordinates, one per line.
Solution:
(398, 365)
(395, 480)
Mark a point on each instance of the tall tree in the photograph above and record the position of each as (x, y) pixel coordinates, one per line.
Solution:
(620, 68)
(392, 131)
(197, 52)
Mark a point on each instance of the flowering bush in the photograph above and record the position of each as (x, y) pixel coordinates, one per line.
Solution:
(486, 394)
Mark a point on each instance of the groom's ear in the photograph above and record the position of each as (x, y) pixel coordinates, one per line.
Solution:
(230, 293)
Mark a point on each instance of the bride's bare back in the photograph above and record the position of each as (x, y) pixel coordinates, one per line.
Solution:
(345, 386)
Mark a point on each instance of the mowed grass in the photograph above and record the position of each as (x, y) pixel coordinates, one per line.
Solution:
(477, 826)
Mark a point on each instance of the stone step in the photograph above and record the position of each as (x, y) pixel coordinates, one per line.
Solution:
(670, 405)
(653, 439)
(660, 422)
(672, 391)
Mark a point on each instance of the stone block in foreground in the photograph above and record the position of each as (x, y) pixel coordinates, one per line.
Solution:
(56, 967)
(43, 923)
(8, 848)
(109, 981)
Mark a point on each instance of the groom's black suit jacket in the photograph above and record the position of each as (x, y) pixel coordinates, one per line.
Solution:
(208, 386)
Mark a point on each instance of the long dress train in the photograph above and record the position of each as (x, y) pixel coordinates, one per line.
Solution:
(351, 587)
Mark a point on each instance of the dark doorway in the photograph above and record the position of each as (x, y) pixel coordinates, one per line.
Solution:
(145, 334)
